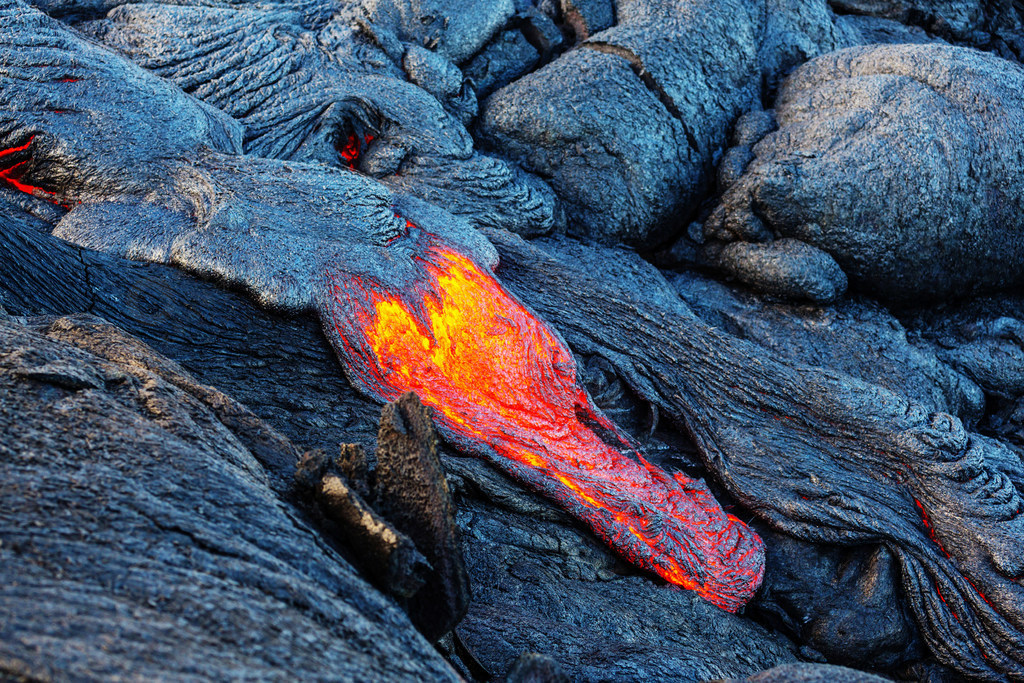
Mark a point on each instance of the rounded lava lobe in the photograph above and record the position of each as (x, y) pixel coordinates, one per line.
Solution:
(901, 163)
(504, 386)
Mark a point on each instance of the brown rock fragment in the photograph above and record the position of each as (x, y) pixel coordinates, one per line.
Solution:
(411, 491)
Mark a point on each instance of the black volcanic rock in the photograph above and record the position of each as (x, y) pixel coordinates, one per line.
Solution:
(899, 162)
(626, 125)
(141, 538)
(811, 673)
(820, 455)
(336, 93)
(995, 24)
(265, 148)
(857, 337)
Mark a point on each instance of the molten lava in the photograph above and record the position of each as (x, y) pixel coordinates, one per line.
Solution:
(12, 173)
(352, 148)
(504, 386)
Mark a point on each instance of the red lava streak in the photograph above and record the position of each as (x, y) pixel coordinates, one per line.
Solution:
(11, 174)
(504, 386)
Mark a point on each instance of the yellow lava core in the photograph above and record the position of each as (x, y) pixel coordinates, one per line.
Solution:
(504, 385)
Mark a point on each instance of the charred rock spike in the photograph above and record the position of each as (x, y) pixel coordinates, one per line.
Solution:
(388, 556)
(352, 462)
(412, 493)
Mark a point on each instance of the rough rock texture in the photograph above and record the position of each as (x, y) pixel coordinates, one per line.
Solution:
(894, 526)
(410, 489)
(140, 538)
(127, 124)
(283, 367)
(551, 588)
(845, 604)
(456, 30)
(534, 668)
(821, 455)
(990, 24)
(504, 60)
(673, 76)
(381, 551)
(811, 673)
(857, 337)
(333, 95)
(983, 339)
(899, 162)
(876, 30)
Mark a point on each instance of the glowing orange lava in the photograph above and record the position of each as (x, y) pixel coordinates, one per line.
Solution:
(504, 386)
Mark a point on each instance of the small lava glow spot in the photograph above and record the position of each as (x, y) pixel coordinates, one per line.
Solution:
(13, 161)
(350, 150)
(504, 386)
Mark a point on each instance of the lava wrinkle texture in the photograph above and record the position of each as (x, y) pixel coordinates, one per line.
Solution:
(504, 386)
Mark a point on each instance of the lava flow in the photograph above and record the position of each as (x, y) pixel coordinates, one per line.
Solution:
(504, 386)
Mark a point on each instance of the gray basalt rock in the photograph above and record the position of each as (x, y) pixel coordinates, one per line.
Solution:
(139, 537)
(953, 17)
(878, 30)
(55, 86)
(632, 163)
(541, 585)
(811, 673)
(818, 454)
(990, 24)
(535, 668)
(983, 338)
(844, 603)
(335, 94)
(899, 162)
(456, 30)
(509, 56)
(169, 191)
(857, 337)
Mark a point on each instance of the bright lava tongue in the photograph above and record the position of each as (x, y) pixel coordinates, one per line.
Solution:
(504, 386)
